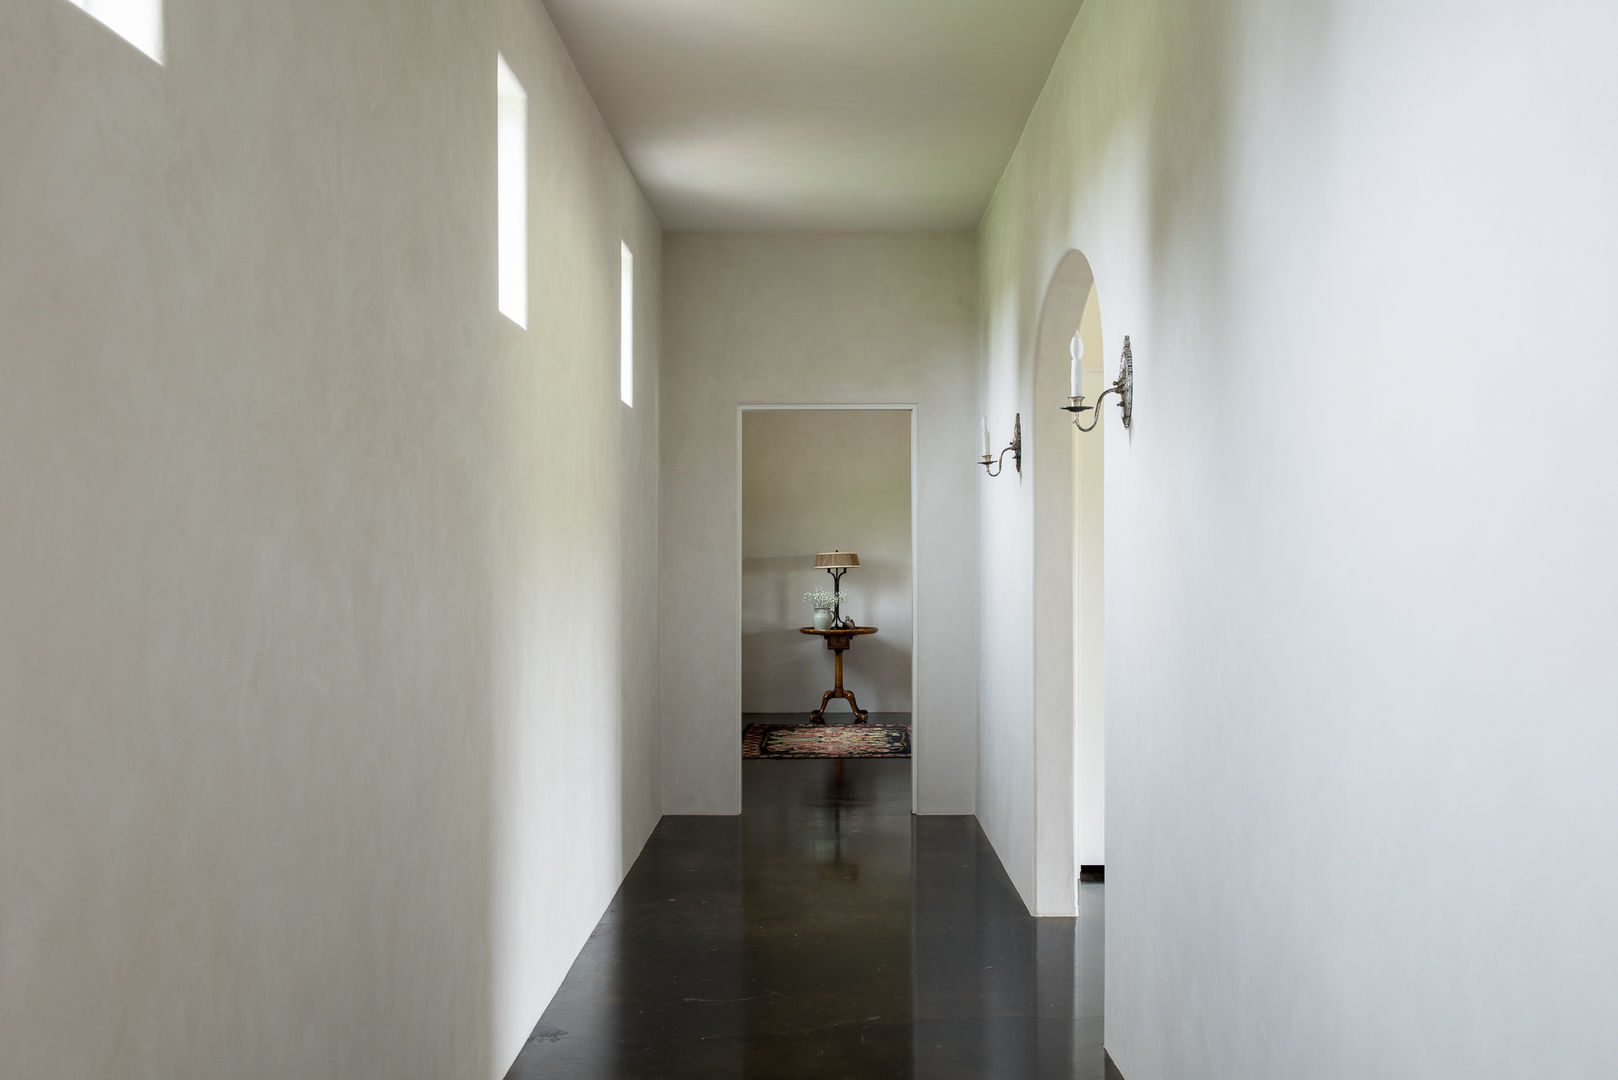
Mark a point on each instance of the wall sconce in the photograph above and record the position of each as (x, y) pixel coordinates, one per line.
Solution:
(1015, 450)
(1123, 386)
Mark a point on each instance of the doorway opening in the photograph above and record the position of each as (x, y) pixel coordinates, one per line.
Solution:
(828, 506)
(1069, 607)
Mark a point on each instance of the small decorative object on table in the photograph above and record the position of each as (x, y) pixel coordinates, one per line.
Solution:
(824, 603)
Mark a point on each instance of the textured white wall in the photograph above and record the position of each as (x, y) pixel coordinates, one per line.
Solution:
(816, 480)
(801, 319)
(1359, 576)
(328, 651)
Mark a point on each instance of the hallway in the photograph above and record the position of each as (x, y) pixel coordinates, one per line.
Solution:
(421, 425)
(825, 933)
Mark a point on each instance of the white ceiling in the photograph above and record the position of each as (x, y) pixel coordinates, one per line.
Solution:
(815, 114)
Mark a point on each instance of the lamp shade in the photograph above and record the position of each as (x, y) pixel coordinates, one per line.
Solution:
(830, 560)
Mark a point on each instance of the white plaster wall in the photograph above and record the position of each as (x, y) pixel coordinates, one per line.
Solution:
(820, 480)
(805, 319)
(1359, 679)
(328, 654)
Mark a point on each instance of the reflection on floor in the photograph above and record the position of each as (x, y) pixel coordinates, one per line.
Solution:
(825, 933)
(837, 714)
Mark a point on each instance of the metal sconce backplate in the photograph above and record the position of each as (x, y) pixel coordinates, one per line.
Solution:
(1126, 383)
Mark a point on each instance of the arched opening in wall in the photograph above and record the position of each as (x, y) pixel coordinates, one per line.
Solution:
(827, 508)
(1069, 507)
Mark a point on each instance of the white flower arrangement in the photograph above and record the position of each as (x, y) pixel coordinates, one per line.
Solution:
(820, 598)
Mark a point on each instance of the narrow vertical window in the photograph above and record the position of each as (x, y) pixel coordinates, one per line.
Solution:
(626, 324)
(139, 22)
(511, 191)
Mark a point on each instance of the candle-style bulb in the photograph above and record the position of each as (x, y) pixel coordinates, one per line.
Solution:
(986, 451)
(1076, 373)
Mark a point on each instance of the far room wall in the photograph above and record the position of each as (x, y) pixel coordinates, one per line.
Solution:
(815, 480)
(761, 318)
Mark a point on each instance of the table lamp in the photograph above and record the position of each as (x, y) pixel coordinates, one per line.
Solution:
(837, 563)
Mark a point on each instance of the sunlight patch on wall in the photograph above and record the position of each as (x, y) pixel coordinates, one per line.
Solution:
(626, 325)
(139, 22)
(511, 191)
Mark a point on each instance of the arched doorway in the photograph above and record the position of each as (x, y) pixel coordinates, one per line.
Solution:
(1067, 472)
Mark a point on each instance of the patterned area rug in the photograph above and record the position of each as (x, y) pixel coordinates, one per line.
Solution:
(825, 740)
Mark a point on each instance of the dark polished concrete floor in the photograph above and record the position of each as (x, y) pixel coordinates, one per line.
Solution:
(825, 933)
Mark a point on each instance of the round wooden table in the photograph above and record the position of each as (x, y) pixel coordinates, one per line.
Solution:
(838, 639)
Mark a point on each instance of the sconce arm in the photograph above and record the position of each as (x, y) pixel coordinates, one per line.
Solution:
(995, 467)
(1096, 419)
